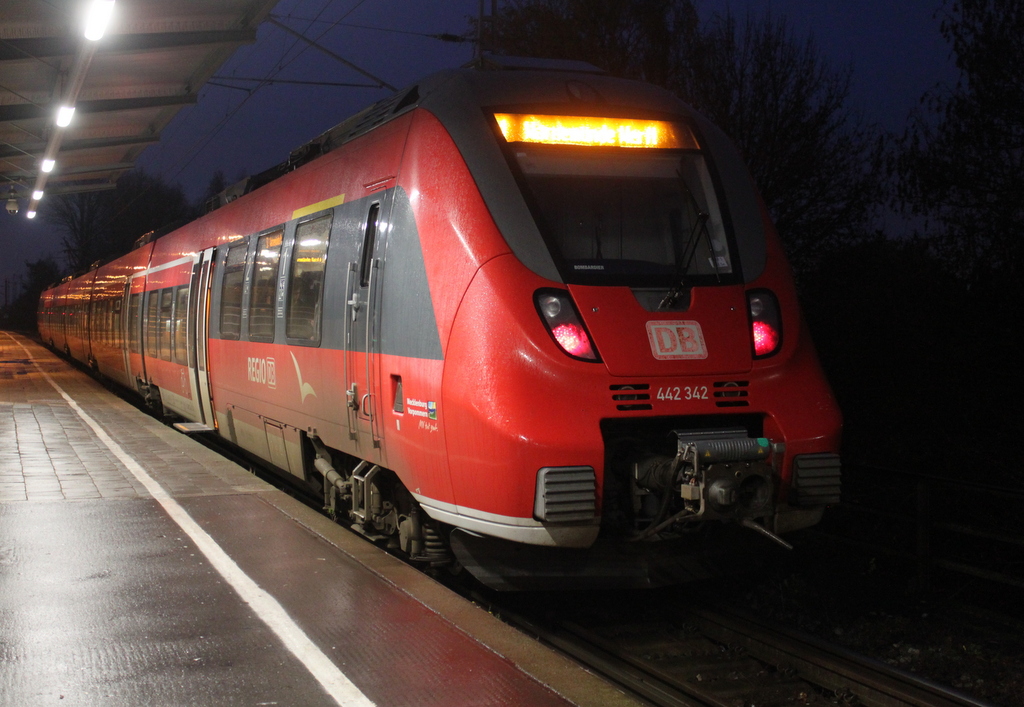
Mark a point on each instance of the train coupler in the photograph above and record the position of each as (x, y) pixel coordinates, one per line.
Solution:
(718, 475)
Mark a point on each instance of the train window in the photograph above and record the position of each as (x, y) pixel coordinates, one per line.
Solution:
(107, 323)
(181, 325)
(152, 325)
(104, 323)
(115, 324)
(95, 309)
(628, 217)
(372, 221)
(305, 282)
(91, 308)
(133, 324)
(264, 287)
(231, 292)
(164, 329)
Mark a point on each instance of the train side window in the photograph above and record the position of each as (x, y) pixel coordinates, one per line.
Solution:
(372, 221)
(107, 322)
(133, 324)
(115, 323)
(306, 279)
(181, 325)
(231, 292)
(264, 286)
(99, 321)
(164, 329)
(152, 324)
(96, 319)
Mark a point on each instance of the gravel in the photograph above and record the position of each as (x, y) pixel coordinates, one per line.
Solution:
(958, 631)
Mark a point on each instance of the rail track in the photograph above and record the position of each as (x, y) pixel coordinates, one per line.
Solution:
(716, 657)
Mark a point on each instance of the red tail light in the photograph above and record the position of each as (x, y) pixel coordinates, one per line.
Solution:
(765, 323)
(564, 325)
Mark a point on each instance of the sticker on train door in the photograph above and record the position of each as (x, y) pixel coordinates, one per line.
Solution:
(673, 341)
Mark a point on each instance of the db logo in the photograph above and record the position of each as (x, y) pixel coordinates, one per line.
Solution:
(672, 341)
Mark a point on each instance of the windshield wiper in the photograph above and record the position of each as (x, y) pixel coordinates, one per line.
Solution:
(683, 265)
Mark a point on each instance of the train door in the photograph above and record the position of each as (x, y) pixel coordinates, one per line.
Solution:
(198, 335)
(361, 333)
(124, 325)
(133, 319)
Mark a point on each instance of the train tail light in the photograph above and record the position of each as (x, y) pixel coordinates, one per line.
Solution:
(564, 324)
(765, 323)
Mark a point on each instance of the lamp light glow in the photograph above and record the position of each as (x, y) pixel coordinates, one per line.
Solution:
(30, 214)
(37, 194)
(64, 115)
(98, 18)
(48, 165)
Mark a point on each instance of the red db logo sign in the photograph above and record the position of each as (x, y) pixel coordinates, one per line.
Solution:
(671, 341)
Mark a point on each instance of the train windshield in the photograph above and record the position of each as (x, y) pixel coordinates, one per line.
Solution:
(624, 216)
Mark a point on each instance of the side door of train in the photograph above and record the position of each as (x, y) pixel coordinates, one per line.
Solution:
(361, 331)
(133, 316)
(198, 336)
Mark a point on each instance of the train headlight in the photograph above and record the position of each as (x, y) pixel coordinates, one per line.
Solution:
(765, 323)
(564, 324)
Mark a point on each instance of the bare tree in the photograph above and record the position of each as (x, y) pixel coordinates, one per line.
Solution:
(41, 274)
(83, 219)
(817, 164)
(144, 203)
(631, 38)
(100, 225)
(961, 165)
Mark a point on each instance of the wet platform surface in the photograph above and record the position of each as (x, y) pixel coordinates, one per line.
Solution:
(139, 567)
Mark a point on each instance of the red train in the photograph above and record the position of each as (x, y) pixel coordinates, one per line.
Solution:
(534, 319)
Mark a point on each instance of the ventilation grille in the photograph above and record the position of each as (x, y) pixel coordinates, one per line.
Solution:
(816, 479)
(731, 394)
(565, 494)
(628, 397)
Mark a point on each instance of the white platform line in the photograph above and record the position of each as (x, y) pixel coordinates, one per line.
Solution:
(266, 607)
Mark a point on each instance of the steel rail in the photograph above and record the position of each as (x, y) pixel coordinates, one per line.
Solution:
(874, 683)
(756, 663)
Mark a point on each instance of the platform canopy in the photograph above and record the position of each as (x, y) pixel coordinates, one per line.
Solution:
(125, 87)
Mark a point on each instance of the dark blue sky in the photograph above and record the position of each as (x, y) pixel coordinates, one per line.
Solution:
(894, 46)
(895, 50)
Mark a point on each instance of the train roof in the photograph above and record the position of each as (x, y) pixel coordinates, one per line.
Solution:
(461, 99)
(490, 80)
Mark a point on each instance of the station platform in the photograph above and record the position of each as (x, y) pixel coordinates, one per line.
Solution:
(139, 567)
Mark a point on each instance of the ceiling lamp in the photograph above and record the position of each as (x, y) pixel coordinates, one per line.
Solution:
(98, 18)
(12, 202)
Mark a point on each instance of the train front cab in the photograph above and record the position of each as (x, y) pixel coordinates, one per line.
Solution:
(655, 374)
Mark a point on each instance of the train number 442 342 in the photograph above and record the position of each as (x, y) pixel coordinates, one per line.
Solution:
(686, 392)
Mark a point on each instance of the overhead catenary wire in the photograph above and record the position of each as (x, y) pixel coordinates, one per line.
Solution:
(442, 36)
(293, 82)
(189, 154)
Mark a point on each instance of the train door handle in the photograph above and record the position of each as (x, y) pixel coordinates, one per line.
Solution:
(354, 304)
(362, 404)
(350, 398)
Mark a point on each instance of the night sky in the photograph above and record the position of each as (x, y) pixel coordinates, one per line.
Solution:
(895, 50)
